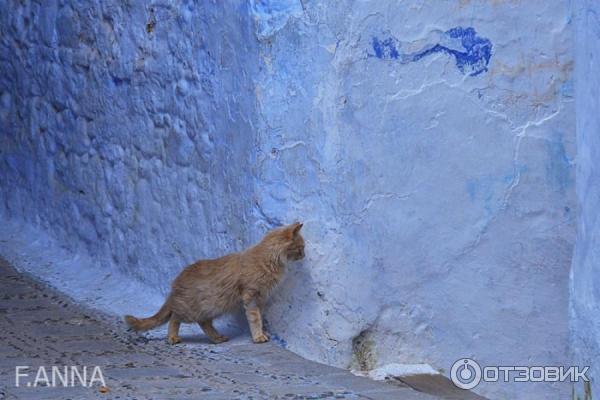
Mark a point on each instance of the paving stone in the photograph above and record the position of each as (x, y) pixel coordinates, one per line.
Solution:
(394, 394)
(11, 291)
(64, 330)
(305, 368)
(439, 385)
(38, 316)
(15, 305)
(144, 372)
(129, 360)
(53, 393)
(313, 390)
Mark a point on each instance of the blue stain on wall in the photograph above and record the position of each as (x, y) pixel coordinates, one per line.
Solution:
(281, 342)
(386, 49)
(471, 52)
(558, 166)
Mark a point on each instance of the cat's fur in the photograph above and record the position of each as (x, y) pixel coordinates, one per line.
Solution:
(209, 288)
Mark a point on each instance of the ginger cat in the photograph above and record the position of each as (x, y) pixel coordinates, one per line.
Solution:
(209, 288)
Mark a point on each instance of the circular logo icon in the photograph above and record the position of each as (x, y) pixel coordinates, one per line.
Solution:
(465, 373)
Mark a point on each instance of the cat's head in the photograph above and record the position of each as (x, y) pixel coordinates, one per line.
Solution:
(295, 242)
(286, 242)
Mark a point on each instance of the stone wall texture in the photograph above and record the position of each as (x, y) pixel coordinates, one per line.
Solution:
(585, 289)
(126, 128)
(427, 146)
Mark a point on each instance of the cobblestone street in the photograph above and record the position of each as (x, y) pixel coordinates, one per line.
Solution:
(40, 327)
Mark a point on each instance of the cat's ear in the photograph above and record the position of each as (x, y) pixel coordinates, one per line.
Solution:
(292, 230)
(296, 228)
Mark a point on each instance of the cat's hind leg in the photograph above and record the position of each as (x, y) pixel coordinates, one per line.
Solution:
(173, 336)
(211, 332)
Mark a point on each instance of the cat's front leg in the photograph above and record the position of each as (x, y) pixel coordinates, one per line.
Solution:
(260, 302)
(254, 318)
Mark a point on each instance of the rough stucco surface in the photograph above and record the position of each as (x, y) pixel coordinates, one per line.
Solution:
(427, 147)
(585, 280)
(126, 128)
(439, 202)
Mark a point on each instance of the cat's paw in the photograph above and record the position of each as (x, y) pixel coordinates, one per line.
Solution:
(262, 338)
(219, 339)
(174, 339)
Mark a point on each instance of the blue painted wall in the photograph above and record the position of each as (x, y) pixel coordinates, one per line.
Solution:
(585, 276)
(126, 129)
(429, 147)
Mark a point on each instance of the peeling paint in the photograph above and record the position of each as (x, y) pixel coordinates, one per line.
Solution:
(272, 15)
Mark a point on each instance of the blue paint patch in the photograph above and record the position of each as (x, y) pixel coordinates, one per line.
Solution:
(386, 49)
(281, 342)
(120, 81)
(487, 189)
(471, 52)
(472, 189)
(558, 166)
(567, 89)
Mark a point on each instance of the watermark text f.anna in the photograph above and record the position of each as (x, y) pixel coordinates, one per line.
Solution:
(59, 376)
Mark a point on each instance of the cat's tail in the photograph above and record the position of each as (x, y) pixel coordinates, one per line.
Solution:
(144, 324)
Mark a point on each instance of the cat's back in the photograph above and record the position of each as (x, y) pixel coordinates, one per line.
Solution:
(207, 270)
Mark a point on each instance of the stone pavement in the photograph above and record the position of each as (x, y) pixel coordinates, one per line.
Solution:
(41, 327)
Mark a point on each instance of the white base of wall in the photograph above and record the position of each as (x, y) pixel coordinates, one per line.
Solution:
(395, 370)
